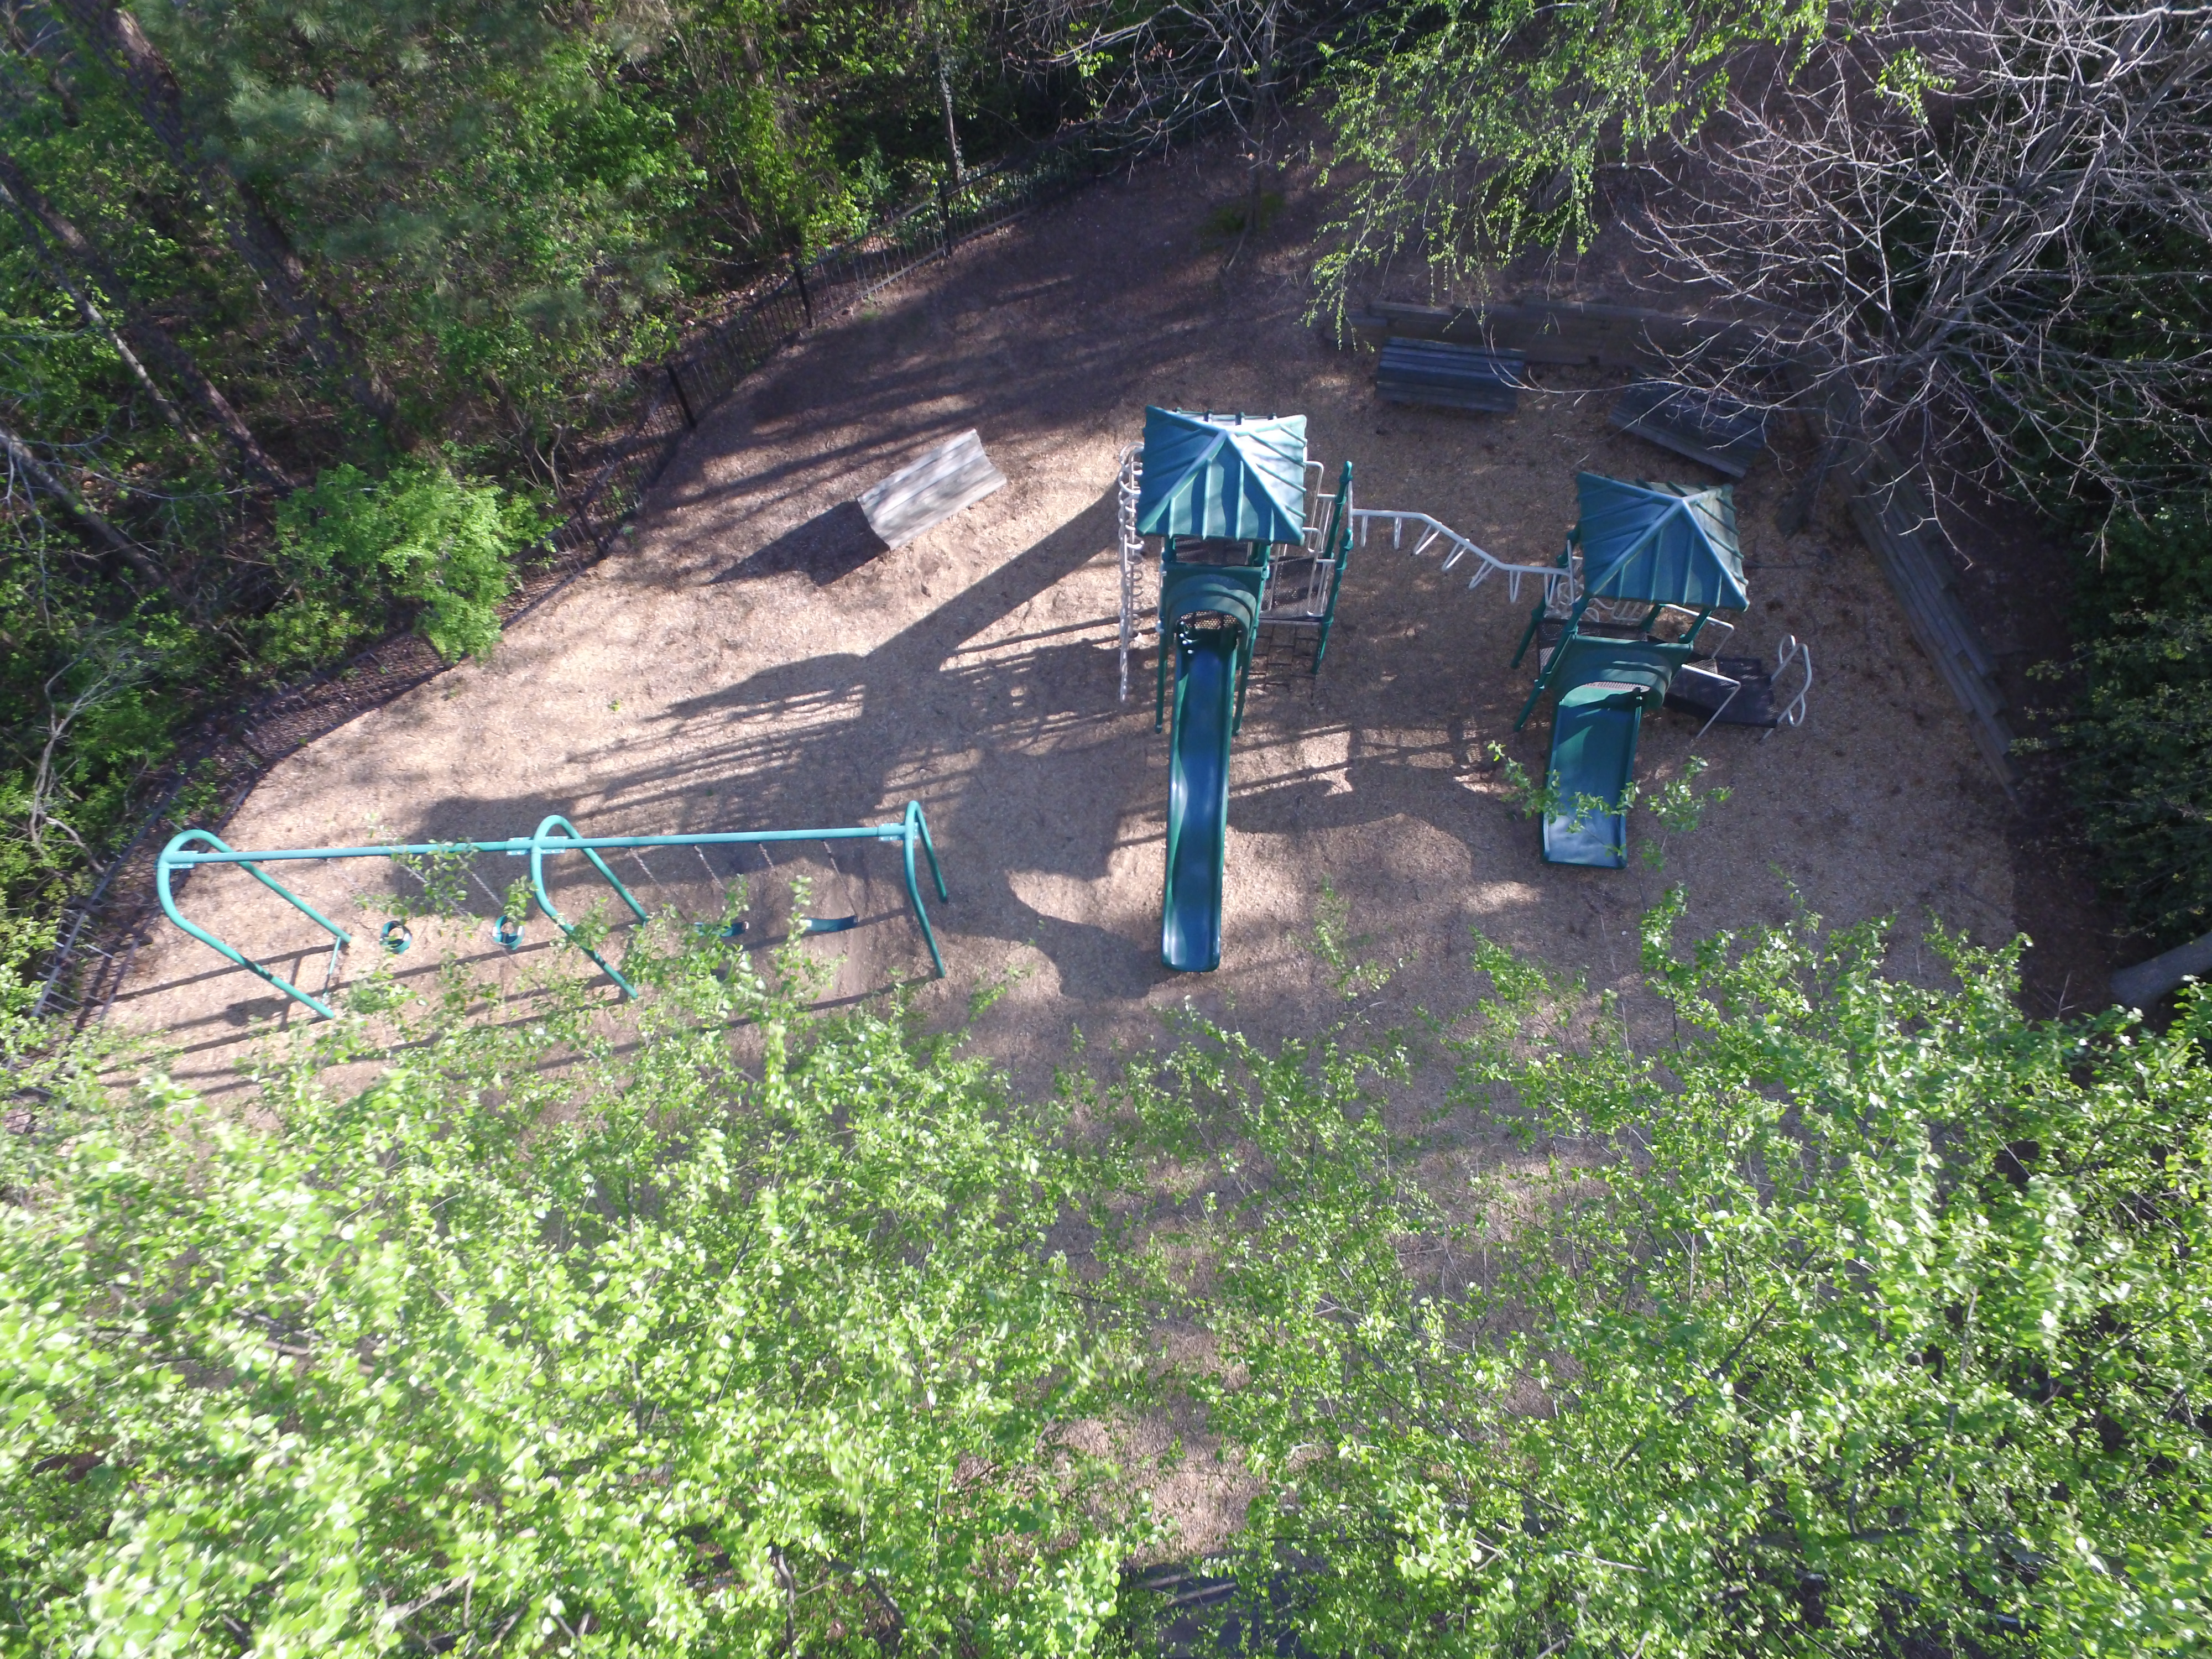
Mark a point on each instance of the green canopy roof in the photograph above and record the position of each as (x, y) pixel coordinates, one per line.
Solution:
(1241, 478)
(1665, 544)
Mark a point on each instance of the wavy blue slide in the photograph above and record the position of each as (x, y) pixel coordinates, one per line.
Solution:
(1198, 800)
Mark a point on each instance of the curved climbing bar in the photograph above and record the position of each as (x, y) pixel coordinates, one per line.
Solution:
(174, 857)
(915, 827)
(539, 842)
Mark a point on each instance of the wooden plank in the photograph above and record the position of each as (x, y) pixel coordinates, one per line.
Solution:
(1482, 400)
(1559, 331)
(1449, 374)
(1940, 626)
(1722, 433)
(920, 496)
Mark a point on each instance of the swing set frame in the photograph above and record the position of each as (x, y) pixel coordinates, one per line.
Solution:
(196, 847)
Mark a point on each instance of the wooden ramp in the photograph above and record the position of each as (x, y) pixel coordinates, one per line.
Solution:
(1705, 426)
(1897, 523)
(925, 494)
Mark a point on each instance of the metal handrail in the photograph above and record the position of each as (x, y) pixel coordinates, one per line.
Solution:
(1792, 650)
(1487, 564)
(1128, 490)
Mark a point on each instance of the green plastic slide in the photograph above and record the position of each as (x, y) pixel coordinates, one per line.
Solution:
(1198, 798)
(1594, 732)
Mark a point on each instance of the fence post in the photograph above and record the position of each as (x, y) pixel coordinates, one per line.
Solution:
(681, 402)
(945, 208)
(798, 276)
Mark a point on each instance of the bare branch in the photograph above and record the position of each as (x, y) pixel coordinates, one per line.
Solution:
(1985, 232)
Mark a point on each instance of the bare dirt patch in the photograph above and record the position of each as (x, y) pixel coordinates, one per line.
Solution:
(754, 663)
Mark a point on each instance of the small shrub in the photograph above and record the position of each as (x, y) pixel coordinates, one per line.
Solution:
(423, 538)
(2139, 759)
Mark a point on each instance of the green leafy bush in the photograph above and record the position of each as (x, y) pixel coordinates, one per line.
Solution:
(1848, 1318)
(1858, 1319)
(2139, 756)
(439, 543)
(2137, 742)
(545, 1344)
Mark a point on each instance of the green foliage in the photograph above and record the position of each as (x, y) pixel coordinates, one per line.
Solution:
(1859, 1319)
(1678, 806)
(2138, 751)
(1855, 1318)
(742, 1333)
(441, 543)
(1338, 948)
(2136, 744)
(1473, 132)
(1231, 220)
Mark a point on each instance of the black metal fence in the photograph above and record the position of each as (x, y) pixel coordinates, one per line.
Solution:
(211, 777)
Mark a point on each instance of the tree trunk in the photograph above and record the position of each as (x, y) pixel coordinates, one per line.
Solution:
(95, 528)
(27, 50)
(952, 131)
(153, 340)
(252, 231)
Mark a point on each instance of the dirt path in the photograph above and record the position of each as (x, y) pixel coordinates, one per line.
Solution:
(747, 666)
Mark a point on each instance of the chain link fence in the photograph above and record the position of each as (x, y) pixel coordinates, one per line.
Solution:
(212, 774)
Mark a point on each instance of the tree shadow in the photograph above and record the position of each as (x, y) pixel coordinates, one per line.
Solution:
(828, 546)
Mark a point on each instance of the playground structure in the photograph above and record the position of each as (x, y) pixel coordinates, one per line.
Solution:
(554, 834)
(1247, 542)
(1642, 557)
(774, 700)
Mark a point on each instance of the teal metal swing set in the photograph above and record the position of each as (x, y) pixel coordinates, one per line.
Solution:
(554, 834)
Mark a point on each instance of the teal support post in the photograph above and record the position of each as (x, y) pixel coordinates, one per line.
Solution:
(538, 843)
(1536, 615)
(554, 834)
(169, 907)
(917, 828)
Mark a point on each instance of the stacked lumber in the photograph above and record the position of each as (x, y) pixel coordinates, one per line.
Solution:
(1717, 431)
(1451, 375)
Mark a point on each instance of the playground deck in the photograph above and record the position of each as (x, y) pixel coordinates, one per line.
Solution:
(756, 660)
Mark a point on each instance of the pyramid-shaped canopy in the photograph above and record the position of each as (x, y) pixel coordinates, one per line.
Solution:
(1664, 544)
(1241, 478)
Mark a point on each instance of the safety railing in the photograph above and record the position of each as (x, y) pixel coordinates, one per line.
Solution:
(1128, 487)
(1792, 650)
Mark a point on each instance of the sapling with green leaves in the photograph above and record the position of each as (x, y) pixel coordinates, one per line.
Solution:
(1858, 1318)
(1339, 948)
(1678, 804)
(705, 1326)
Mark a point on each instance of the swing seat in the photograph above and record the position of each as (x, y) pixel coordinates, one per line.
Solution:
(395, 937)
(831, 924)
(508, 931)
